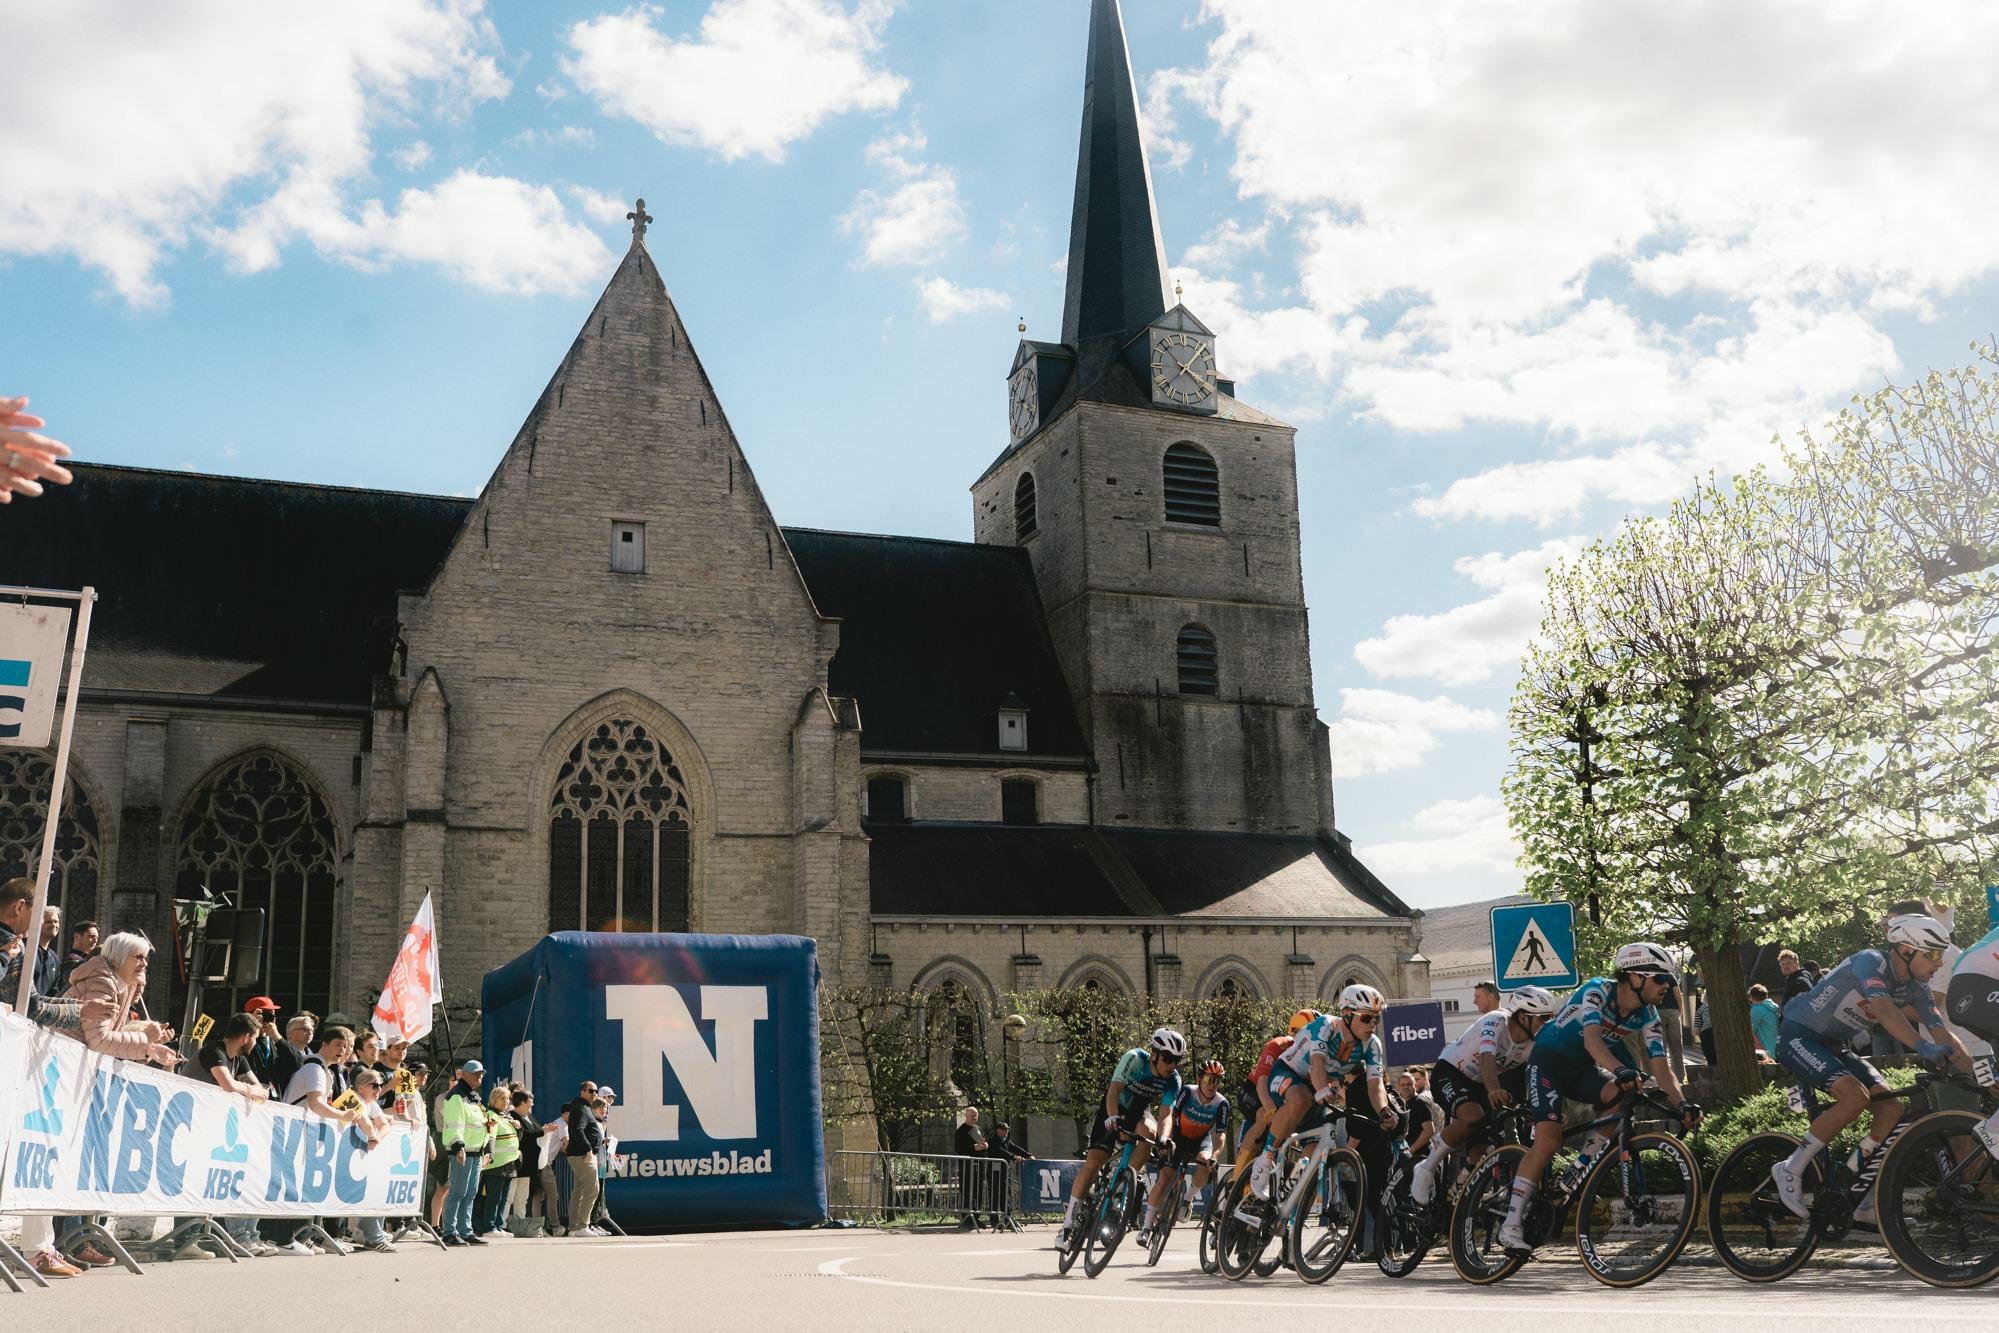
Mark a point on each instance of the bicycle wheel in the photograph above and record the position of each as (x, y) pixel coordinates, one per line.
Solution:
(1108, 1222)
(1065, 1257)
(1206, 1250)
(1475, 1249)
(1241, 1233)
(1755, 1236)
(1169, 1213)
(1407, 1232)
(1326, 1222)
(1633, 1217)
(1937, 1201)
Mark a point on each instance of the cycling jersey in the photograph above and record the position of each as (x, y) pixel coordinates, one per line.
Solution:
(1344, 1055)
(1980, 960)
(1593, 1005)
(1193, 1120)
(1842, 1006)
(1273, 1048)
(1492, 1035)
(1142, 1087)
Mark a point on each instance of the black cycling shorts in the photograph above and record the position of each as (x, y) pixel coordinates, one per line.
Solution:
(1451, 1087)
(1110, 1142)
(1973, 1002)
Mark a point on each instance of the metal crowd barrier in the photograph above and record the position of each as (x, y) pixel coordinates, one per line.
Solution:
(899, 1189)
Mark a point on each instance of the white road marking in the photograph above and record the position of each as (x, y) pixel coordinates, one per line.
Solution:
(1539, 1303)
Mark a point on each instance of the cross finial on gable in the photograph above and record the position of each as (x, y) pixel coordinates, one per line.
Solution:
(639, 219)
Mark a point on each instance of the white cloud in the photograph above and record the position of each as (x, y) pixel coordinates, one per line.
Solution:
(563, 136)
(900, 153)
(412, 155)
(1380, 731)
(912, 224)
(129, 136)
(600, 207)
(758, 76)
(1226, 245)
(1470, 643)
(1532, 215)
(551, 91)
(493, 232)
(1456, 837)
(945, 300)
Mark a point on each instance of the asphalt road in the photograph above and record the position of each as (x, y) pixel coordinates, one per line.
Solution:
(880, 1282)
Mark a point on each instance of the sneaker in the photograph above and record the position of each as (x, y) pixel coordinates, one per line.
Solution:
(473, 1240)
(50, 1264)
(453, 1241)
(1790, 1190)
(1511, 1237)
(378, 1246)
(261, 1249)
(1259, 1178)
(595, 1231)
(298, 1249)
(1423, 1183)
(89, 1256)
(191, 1250)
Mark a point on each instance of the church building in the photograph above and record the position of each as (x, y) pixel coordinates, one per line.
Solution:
(613, 694)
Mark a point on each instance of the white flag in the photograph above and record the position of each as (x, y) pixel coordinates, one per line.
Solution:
(414, 986)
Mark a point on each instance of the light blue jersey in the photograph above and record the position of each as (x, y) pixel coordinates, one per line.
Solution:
(1593, 1005)
(1845, 1003)
(1142, 1087)
(1345, 1056)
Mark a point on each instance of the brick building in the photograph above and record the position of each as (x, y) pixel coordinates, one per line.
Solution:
(612, 693)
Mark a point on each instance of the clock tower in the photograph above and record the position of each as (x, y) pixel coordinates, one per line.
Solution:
(1163, 528)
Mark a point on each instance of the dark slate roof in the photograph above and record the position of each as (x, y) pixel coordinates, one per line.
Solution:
(230, 586)
(988, 870)
(1117, 262)
(934, 636)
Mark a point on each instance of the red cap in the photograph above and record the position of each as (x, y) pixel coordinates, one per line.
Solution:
(260, 1004)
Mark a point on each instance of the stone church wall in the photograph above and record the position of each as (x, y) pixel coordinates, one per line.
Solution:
(940, 792)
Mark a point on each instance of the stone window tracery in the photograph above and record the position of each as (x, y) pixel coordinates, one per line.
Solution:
(620, 826)
(26, 779)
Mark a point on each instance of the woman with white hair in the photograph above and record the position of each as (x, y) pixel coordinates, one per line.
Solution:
(108, 986)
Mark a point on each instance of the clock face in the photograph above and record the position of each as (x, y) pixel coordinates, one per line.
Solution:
(1024, 401)
(1183, 369)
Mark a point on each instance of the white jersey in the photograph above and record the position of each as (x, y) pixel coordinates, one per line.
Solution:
(1492, 1035)
(1980, 960)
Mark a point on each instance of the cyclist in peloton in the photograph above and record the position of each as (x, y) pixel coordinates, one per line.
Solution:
(1466, 1081)
(1866, 991)
(1192, 1124)
(1973, 993)
(1258, 1108)
(1574, 1056)
(1313, 1072)
(1143, 1079)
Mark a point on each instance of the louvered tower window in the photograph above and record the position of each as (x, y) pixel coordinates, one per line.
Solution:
(1193, 487)
(1023, 507)
(1200, 672)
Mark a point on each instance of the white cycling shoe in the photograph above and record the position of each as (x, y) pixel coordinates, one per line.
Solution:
(1864, 1214)
(1512, 1236)
(1790, 1189)
(1259, 1178)
(1423, 1183)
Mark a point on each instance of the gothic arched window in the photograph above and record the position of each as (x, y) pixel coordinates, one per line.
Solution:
(619, 836)
(1193, 486)
(26, 779)
(1023, 507)
(954, 1020)
(259, 831)
(1199, 661)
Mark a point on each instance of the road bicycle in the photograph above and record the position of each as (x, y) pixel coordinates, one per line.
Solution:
(1109, 1207)
(1408, 1228)
(1760, 1240)
(1179, 1192)
(1635, 1204)
(1318, 1192)
(1938, 1196)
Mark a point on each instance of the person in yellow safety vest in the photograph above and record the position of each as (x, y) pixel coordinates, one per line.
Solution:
(502, 1164)
(462, 1127)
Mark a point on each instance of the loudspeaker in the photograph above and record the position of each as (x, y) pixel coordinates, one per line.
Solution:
(233, 947)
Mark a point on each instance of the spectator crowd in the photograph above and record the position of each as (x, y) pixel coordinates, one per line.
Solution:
(497, 1170)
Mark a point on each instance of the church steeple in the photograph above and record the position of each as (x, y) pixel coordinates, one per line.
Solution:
(1117, 263)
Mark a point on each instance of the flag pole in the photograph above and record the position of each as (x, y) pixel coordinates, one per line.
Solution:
(31, 941)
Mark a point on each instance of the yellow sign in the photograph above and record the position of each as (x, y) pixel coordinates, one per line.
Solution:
(405, 1083)
(202, 1024)
(346, 1101)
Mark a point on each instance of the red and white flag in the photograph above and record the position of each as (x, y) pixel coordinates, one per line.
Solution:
(403, 1012)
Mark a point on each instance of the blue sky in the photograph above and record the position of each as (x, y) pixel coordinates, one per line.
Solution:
(1515, 270)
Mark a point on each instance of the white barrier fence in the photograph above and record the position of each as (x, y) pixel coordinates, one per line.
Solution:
(85, 1133)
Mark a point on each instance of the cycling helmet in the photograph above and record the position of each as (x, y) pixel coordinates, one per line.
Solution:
(1644, 957)
(1361, 999)
(1301, 1018)
(1532, 1002)
(1918, 932)
(1167, 1042)
(1213, 1067)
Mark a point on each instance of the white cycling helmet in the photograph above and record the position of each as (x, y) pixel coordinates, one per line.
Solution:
(1167, 1042)
(1644, 957)
(1533, 1002)
(1918, 932)
(1361, 999)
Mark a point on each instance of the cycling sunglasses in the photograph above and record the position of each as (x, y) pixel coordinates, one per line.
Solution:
(1663, 978)
(1360, 1017)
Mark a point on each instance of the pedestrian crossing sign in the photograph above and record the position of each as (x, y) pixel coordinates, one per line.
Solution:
(1534, 944)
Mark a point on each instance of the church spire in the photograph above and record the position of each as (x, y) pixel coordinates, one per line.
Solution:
(1117, 263)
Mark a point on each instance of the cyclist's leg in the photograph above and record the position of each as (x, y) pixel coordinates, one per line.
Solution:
(1463, 1103)
(1296, 1094)
(1547, 1084)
